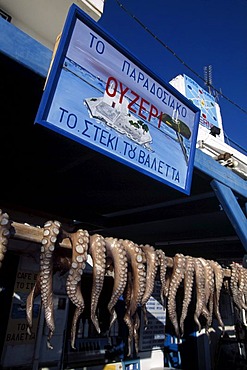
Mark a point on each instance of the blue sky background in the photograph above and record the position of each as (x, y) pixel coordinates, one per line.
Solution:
(200, 33)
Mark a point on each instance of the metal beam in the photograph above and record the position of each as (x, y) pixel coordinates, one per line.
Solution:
(22, 48)
(232, 209)
(213, 169)
(170, 203)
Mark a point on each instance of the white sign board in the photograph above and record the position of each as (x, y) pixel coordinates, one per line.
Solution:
(101, 96)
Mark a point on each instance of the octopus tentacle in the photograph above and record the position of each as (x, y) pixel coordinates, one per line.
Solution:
(116, 251)
(234, 285)
(127, 318)
(60, 263)
(241, 280)
(136, 287)
(209, 290)
(151, 271)
(79, 240)
(4, 234)
(50, 234)
(176, 279)
(245, 286)
(200, 293)
(35, 292)
(218, 278)
(97, 251)
(188, 285)
(136, 331)
(136, 259)
(162, 263)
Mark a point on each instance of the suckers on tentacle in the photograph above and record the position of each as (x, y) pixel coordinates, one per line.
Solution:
(236, 285)
(201, 308)
(62, 264)
(151, 271)
(135, 287)
(162, 263)
(209, 291)
(79, 241)
(4, 234)
(115, 250)
(50, 234)
(176, 279)
(188, 286)
(97, 251)
(218, 278)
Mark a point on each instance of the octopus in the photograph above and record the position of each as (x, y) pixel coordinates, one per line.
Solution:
(4, 234)
(209, 290)
(237, 282)
(201, 308)
(151, 271)
(61, 264)
(50, 233)
(188, 286)
(242, 286)
(127, 317)
(176, 278)
(162, 264)
(219, 278)
(115, 250)
(97, 251)
(134, 292)
(245, 284)
(35, 292)
(80, 241)
(134, 268)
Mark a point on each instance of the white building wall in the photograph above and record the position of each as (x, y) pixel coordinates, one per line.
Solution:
(43, 20)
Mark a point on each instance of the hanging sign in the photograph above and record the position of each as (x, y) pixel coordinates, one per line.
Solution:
(101, 96)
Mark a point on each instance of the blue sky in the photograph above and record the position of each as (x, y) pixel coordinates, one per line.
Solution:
(200, 33)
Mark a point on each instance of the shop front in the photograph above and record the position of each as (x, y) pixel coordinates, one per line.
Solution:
(105, 194)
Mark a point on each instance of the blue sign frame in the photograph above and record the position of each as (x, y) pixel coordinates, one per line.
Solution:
(101, 96)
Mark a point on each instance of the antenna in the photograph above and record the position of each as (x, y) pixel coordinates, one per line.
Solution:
(208, 77)
(208, 80)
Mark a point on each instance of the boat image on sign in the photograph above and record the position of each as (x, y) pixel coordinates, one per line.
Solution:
(177, 125)
(117, 116)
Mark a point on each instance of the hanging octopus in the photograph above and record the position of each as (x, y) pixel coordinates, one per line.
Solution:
(219, 278)
(134, 270)
(244, 277)
(117, 253)
(135, 290)
(209, 291)
(188, 286)
(4, 234)
(164, 280)
(176, 279)
(80, 241)
(201, 308)
(50, 234)
(143, 263)
(151, 271)
(237, 285)
(97, 251)
(61, 264)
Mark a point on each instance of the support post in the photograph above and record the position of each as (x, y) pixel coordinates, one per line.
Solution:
(232, 209)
